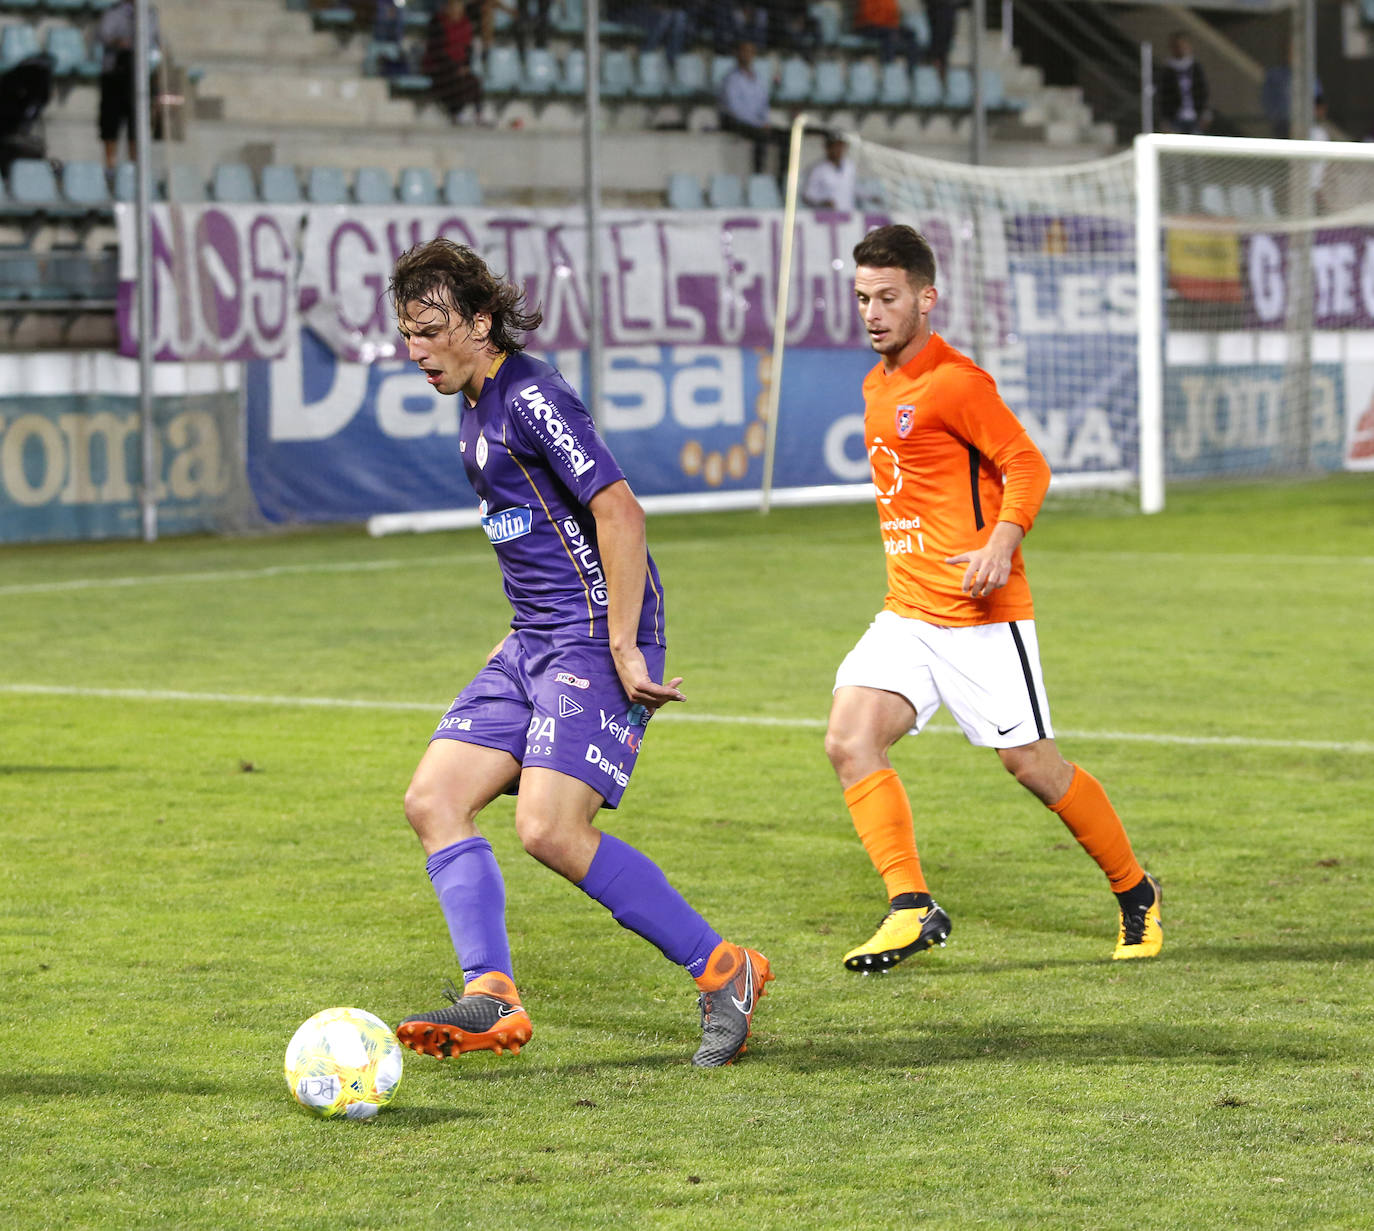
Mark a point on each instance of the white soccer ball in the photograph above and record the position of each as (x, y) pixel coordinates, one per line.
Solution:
(343, 1062)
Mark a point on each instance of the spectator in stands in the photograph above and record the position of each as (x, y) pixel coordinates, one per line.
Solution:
(881, 20)
(795, 29)
(830, 182)
(940, 19)
(115, 34)
(733, 22)
(665, 24)
(531, 19)
(1183, 93)
(743, 101)
(448, 60)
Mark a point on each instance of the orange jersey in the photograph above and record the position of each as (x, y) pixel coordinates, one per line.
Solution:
(949, 461)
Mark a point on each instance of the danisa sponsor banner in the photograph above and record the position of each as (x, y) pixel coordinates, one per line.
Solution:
(333, 440)
(71, 465)
(238, 281)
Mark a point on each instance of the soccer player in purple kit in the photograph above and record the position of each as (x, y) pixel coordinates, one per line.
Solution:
(559, 712)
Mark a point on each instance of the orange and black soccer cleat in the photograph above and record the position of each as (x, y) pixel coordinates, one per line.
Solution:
(486, 1016)
(727, 1010)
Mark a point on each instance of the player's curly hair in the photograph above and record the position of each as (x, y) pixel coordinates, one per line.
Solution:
(898, 247)
(443, 275)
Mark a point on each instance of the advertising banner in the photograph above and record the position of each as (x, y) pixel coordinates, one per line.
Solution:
(71, 465)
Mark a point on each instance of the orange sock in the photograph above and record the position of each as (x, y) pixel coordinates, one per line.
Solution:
(882, 816)
(720, 966)
(1089, 814)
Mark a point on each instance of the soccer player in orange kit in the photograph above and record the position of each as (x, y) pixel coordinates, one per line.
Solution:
(958, 483)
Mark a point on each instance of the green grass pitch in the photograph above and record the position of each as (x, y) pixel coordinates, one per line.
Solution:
(203, 748)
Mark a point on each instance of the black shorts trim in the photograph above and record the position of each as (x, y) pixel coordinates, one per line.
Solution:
(1029, 678)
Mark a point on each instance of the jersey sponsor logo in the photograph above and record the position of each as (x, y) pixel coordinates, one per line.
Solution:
(560, 436)
(632, 736)
(508, 524)
(585, 554)
(567, 677)
(567, 707)
(596, 757)
(455, 724)
(539, 737)
(481, 451)
(906, 416)
(886, 468)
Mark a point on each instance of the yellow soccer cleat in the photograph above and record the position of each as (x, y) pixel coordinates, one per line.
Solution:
(901, 933)
(1142, 929)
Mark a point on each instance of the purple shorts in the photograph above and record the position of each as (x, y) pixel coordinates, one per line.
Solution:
(557, 706)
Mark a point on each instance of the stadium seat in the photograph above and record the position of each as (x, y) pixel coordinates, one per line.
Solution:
(373, 186)
(185, 184)
(958, 88)
(617, 73)
(541, 71)
(684, 191)
(724, 191)
(794, 81)
(994, 89)
(502, 72)
(652, 79)
(720, 69)
(280, 184)
(326, 186)
(233, 182)
(861, 89)
(125, 181)
(70, 58)
(33, 184)
(762, 192)
(828, 87)
(340, 18)
(568, 17)
(926, 90)
(19, 5)
(417, 187)
(20, 276)
(574, 78)
(918, 23)
(17, 42)
(830, 18)
(689, 75)
(894, 87)
(461, 188)
(64, 6)
(84, 183)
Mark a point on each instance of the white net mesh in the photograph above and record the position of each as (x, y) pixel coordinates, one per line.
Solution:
(1267, 254)
(1036, 273)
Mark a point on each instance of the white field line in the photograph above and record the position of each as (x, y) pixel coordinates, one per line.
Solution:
(674, 714)
(459, 558)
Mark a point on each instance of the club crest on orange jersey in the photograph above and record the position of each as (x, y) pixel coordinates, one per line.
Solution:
(906, 415)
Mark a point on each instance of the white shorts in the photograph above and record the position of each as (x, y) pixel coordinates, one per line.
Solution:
(987, 675)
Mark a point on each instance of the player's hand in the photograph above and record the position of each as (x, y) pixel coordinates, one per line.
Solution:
(988, 570)
(639, 685)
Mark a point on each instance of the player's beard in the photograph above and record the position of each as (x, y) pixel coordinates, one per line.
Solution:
(900, 335)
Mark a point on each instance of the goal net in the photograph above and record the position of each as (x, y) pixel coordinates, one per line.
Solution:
(1257, 305)
(1195, 308)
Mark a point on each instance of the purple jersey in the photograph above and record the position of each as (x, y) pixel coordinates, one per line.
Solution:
(535, 459)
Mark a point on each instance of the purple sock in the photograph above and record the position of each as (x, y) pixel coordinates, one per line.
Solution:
(633, 888)
(472, 896)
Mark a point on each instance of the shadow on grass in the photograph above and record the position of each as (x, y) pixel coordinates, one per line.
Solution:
(58, 769)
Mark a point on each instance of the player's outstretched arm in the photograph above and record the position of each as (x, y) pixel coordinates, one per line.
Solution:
(625, 557)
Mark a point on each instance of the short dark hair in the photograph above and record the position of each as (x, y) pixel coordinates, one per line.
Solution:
(898, 247)
(427, 270)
